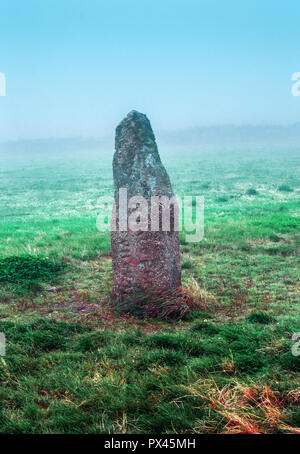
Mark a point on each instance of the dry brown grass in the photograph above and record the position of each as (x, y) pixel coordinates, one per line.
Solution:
(246, 409)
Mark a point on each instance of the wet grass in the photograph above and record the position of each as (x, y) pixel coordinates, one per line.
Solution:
(75, 365)
(66, 377)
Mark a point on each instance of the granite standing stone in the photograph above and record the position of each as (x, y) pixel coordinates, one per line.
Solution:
(142, 260)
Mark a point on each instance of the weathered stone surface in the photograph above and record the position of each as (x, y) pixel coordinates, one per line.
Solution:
(142, 260)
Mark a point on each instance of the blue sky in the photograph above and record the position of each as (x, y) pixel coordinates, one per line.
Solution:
(75, 68)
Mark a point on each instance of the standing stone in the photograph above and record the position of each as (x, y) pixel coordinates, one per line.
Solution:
(142, 259)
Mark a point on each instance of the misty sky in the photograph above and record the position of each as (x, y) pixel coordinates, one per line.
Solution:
(75, 67)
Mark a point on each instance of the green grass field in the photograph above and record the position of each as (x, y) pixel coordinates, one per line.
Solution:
(75, 365)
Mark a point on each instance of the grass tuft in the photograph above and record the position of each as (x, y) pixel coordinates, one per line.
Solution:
(285, 188)
(28, 268)
(251, 191)
(259, 317)
(170, 304)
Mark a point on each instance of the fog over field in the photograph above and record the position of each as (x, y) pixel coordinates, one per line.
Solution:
(196, 137)
(146, 332)
(56, 282)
